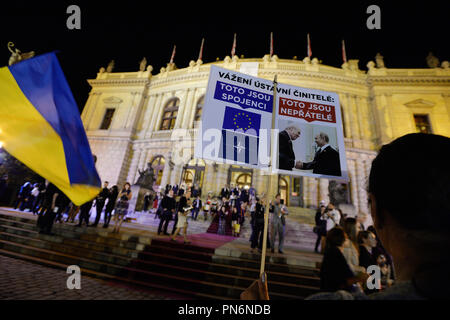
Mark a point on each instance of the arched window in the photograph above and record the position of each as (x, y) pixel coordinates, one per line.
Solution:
(244, 180)
(170, 114)
(158, 168)
(198, 111)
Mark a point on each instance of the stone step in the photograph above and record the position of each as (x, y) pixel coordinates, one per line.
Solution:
(123, 241)
(140, 257)
(188, 279)
(108, 254)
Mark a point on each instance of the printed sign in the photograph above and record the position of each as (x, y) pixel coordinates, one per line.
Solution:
(236, 119)
(310, 137)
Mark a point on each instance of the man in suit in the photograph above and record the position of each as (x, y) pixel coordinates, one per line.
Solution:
(326, 159)
(286, 156)
(168, 206)
(277, 225)
(225, 192)
(100, 202)
(197, 204)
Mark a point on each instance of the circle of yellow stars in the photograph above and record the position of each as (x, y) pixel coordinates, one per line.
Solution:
(248, 118)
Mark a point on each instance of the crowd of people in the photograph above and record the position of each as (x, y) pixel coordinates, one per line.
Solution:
(51, 205)
(413, 232)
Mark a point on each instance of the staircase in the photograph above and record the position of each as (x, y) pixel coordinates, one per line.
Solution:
(204, 269)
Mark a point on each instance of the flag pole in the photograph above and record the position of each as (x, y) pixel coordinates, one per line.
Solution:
(269, 194)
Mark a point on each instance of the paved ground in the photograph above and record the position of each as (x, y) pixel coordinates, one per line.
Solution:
(22, 280)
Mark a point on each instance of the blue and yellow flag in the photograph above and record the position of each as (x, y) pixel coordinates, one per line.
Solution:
(40, 125)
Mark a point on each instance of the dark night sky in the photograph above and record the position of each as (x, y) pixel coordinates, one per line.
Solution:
(127, 31)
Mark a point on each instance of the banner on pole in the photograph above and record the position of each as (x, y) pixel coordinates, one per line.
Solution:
(236, 119)
(310, 135)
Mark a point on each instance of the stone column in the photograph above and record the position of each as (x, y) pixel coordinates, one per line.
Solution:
(366, 119)
(323, 190)
(362, 183)
(221, 177)
(446, 97)
(383, 122)
(208, 181)
(87, 107)
(353, 117)
(157, 114)
(134, 165)
(180, 114)
(166, 173)
(147, 115)
(190, 110)
(92, 110)
(306, 192)
(346, 109)
(153, 110)
(358, 114)
(353, 183)
(314, 187)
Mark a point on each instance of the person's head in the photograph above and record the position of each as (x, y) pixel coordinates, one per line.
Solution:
(105, 184)
(170, 194)
(381, 260)
(321, 139)
(115, 188)
(412, 168)
(293, 131)
(188, 194)
(127, 186)
(367, 239)
(352, 228)
(257, 199)
(278, 198)
(330, 206)
(335, 238)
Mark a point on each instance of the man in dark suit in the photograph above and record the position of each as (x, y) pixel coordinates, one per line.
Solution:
(100, 202)
(326, 159)
(197, 204)
(286, 156)
(225, 192)
(168, 205)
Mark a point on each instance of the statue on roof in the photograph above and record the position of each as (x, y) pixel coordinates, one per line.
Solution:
(110, 66)
(379, 60)
(143, 64)
(432, 61)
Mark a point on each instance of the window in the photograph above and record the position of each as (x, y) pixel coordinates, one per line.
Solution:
(422, 122)
(198, 110)
(170, 114)
(106, 123)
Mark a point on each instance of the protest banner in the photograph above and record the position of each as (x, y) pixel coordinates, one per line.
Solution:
(310, 135)
(236, 119)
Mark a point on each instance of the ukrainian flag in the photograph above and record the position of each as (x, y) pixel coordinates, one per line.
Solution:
(40, 125)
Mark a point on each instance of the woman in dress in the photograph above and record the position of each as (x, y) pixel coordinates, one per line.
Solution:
(122, 206)
(185, 206)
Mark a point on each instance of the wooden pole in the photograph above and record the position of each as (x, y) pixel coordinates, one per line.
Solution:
(269, 194)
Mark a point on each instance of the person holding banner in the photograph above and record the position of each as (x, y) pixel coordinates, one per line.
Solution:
(326, 159)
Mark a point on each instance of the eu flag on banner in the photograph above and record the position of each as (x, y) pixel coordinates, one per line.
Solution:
(240, 136)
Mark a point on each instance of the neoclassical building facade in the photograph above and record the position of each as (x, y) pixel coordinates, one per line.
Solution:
(136, 118)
